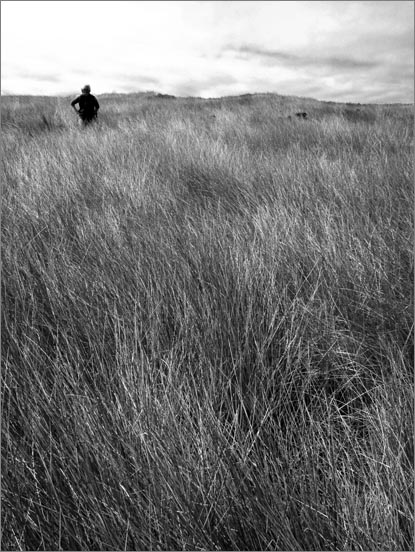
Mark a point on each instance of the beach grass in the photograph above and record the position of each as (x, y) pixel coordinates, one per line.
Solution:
(207, 325)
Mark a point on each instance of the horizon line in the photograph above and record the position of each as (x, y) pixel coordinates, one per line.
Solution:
(172, 96)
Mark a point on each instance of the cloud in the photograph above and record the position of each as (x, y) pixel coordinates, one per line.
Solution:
(207, 49)
(40, 77)
(136, 79)
(292, 60)
(202, 87)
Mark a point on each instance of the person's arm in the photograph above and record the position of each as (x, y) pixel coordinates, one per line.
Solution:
(74, 102)
(96, 105)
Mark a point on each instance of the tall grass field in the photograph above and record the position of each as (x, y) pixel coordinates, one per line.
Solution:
(207, 325)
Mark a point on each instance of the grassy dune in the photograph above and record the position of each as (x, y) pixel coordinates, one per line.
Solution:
(207, 325)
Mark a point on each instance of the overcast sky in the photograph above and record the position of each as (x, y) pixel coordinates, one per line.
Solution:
(342, 51)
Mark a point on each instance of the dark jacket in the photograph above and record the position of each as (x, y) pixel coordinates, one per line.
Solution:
(88, 105)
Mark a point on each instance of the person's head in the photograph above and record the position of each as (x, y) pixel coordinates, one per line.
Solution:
(86, 89)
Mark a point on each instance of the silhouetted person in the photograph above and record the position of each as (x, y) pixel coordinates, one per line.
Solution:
(88, 105)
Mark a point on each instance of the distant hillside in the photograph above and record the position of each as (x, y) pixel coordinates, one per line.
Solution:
(41, 112)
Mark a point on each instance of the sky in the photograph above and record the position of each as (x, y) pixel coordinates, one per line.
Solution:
(356, 51)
